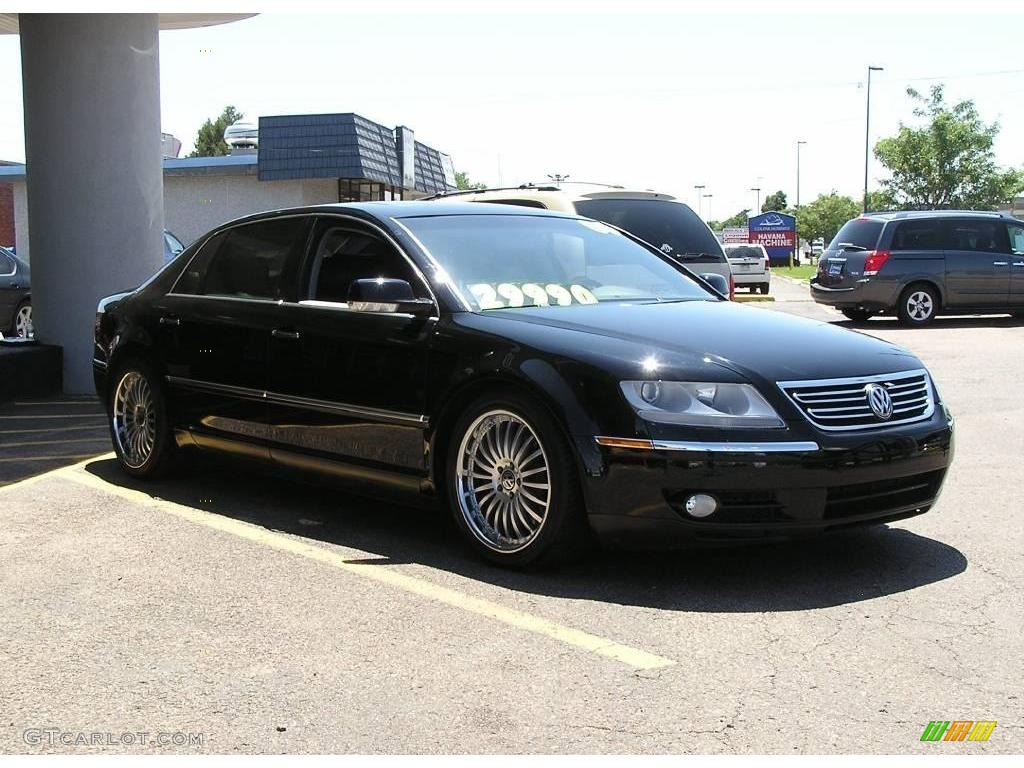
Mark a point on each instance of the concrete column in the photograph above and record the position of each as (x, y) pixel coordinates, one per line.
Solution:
(93, 164)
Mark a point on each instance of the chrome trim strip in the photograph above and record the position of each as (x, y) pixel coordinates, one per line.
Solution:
(341, 409)
(99, 363)
(927, 389)
(708, 447)
(816, 287)
(700, 446)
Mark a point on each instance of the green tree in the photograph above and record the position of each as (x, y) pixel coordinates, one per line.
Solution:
(774, 202)
(210, 139)
(738, 219)
(824, 216)
(462, 182)
(882, 200)
(947, 162)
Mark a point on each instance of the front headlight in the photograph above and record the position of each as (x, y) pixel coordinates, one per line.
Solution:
(701, 404)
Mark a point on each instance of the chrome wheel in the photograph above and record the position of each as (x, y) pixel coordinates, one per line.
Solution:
(134, 419)
(920, 306)
(23, 321)
(503, 481)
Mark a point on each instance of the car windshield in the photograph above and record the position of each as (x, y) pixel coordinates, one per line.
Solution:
(665, 224)
(498, 261)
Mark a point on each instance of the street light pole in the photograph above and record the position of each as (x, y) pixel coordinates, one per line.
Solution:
(798, 145)
(708, 197)
(867, 135)
(757, 209)
(796, 235)
(700, 190)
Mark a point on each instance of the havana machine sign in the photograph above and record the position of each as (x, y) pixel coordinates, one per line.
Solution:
(776, 232)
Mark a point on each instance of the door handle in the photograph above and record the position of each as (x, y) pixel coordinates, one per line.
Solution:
(281, 333)
(1018, 263)
(165, 320)
(1000, 263)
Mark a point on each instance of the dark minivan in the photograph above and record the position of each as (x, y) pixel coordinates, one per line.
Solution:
(918, 264)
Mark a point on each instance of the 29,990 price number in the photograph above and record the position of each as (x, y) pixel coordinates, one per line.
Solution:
(490, 296)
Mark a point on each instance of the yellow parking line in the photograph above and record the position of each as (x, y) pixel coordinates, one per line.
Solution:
(633, 657)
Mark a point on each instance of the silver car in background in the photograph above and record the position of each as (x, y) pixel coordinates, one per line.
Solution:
(749, 264)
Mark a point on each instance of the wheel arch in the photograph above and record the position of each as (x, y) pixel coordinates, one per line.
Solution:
(467, 391)
(927, 280)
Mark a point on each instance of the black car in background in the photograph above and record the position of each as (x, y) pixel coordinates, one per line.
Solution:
(15, 295)
(542, 375)
(923, 263)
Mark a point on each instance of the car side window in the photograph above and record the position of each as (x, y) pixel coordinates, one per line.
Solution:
(922, 235)
(6, 265)
(344, 253)
(1016, 233)
(247, 262)
(976, 235)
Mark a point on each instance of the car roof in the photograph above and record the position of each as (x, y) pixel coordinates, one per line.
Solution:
(398, 209)
(895, 215)
(573, 191)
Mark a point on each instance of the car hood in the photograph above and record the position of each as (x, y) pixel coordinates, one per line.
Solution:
(758, 344)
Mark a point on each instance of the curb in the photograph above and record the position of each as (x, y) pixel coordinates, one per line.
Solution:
(744, 299)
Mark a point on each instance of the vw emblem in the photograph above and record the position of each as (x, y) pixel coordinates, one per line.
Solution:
(879, 401)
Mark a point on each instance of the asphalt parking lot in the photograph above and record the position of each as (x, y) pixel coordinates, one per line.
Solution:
(271, 615)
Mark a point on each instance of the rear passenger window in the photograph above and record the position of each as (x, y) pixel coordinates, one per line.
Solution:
(924, 235)
(976, 235)
(247, 262)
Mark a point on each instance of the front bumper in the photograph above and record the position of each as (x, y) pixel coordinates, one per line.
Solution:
(769, 490)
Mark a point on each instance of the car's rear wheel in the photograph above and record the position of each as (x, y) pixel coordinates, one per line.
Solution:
(918, 305)
(858, 315)
(513, 485)
(139, 425)
(764, 288)
(22, 323)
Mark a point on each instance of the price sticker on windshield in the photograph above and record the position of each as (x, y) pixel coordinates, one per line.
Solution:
(503, 295)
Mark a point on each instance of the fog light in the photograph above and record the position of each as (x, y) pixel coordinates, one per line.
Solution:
(701, 505)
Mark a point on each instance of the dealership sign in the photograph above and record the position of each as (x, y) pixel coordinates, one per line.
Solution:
(776, 232)
(735, 235)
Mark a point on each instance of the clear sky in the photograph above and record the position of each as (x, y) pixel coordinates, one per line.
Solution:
(661, 101)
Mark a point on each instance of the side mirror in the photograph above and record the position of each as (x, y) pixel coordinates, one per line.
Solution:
(385, 294)
(718, 282)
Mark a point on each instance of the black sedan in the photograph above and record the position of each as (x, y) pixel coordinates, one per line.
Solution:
(544, 376)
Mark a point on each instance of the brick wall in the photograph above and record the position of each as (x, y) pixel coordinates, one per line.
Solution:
(7, 214)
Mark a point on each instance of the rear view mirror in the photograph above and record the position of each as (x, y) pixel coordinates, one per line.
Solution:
(718, 282)
(385, 294)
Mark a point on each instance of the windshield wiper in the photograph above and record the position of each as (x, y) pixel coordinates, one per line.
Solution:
(851, 247)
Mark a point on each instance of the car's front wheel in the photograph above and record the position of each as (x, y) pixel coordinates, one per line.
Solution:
(22, 323)
(513, 485)
(139, 425)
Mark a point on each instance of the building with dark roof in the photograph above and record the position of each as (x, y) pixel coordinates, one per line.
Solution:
(301, 160)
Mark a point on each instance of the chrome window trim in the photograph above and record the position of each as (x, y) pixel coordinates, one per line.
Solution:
(342, 409)
(99, 363)
(896, 376)
(702, 446)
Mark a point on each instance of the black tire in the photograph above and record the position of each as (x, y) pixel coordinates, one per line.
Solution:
(163, 455)
(764, 288)
(563, 533)
(918, 305)
(858, 315)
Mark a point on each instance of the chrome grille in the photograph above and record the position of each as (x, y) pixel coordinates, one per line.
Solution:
(842, 404)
